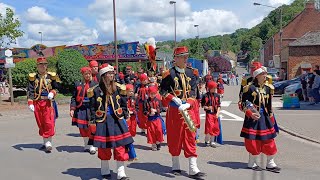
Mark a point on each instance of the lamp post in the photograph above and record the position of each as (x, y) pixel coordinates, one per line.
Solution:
(198, 37)
(258, 4)
(115, 35)
(40, 36)
(175, 23)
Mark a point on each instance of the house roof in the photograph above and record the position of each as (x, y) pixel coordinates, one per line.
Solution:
(309, 39)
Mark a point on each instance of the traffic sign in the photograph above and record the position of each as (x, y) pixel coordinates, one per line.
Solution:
(8, 53)
(9, 60)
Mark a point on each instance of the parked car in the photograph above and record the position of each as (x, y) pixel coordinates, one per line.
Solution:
(279, 86)
(274, 76)
(294, 88)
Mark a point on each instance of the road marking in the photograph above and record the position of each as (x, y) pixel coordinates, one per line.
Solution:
(276, 104)
(225, 103)
(234, 117)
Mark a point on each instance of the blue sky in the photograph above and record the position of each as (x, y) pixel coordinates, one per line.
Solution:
(91, 21)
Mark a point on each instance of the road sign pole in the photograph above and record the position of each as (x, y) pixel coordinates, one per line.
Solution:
(10, 84)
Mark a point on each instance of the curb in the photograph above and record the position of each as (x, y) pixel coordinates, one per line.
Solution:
(288, 131)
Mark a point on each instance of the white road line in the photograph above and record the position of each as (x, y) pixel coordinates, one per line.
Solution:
(276, 104)
(235, 117)
(225, 103)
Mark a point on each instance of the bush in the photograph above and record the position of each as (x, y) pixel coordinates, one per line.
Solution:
(69, 63)
(52, 63)
(21, 71)
(135, 66)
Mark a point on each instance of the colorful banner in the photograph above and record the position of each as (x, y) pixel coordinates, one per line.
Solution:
(126, 51)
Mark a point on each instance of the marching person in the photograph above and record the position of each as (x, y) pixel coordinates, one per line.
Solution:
(152, 109)
(220, 87)
(132, 108)
(142, 95)
(95, 70)
(108, 109)
(258, 127)
(80, 108)
(211, 104)
(178, 86)
(41, 92)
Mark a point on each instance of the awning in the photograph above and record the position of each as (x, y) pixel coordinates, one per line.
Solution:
(306, 66)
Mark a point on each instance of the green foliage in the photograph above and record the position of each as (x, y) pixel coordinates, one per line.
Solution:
(135, 66)
(9, 28)
(52, 63)
(242, 39)
(21, 71)
(69, 64)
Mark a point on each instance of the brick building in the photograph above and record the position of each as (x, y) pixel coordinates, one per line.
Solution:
(308, 20)
(304, 54)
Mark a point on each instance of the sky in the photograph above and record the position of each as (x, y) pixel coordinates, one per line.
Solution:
(85, 22)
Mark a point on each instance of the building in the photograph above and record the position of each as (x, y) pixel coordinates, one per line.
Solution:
(304, 54)
(275, 51)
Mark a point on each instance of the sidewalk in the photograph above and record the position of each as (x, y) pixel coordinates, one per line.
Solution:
(303, 122)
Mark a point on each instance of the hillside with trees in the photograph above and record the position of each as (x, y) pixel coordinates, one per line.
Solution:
(242, 40)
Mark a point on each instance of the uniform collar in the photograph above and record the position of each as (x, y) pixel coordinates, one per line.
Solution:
(179, 69)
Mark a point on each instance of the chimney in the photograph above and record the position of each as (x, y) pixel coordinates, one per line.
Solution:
(310, 5)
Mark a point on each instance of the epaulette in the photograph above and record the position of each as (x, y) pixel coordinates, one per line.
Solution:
(269, 79)
(244, 82)
(165, 74)
(270, 86)
(246, 88)
(90, 92)
(53, 75)
(32, 76)
(122, 88)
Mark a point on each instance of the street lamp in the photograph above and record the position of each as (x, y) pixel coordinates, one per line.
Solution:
(175, 19)
(115, 35)
(40, 36)
(198, 37)
(258, 4)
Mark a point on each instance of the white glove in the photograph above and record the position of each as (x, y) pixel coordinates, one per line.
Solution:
(184, 106)
(50, 96)
(31, 107)
(177, 101)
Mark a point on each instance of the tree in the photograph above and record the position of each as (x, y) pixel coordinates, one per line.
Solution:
(70, 62)
(9, 28)
(21, 71)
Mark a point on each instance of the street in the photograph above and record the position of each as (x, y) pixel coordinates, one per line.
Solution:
(21, 158)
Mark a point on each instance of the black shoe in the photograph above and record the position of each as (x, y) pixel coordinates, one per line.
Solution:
(125, 178)
(207, 144)
(86, 150)
(199, 175)
(107, 176)
(274, 169)
(158, 147)
(257, 168)
(176, 172)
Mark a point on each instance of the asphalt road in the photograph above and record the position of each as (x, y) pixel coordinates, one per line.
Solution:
(21, 159)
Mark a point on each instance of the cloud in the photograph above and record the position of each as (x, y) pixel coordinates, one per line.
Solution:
(3, 8)
(141, 19)
(55, 31)
(279, 2)
(254, 22)
(37, 14)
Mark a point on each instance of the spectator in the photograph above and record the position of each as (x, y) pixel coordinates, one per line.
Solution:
(316, 86)
(3, 82)
(303, 81)
(309, 89)
(237, 79)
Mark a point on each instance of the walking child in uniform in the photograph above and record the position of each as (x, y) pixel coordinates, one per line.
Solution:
(211, 104)
(152, 109)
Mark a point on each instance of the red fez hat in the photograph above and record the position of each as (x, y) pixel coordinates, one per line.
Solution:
(212, 84)
(143, 77)
(103, 65)
(42, 60)
(93, 64)
(258, 69)
(180, 51)
(153, 89)
(129, 86)
(85, 69)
